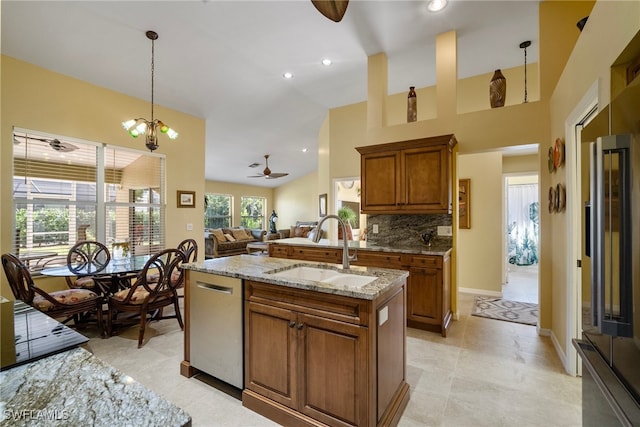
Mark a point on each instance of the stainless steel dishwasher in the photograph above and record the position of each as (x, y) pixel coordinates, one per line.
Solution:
(215, 322)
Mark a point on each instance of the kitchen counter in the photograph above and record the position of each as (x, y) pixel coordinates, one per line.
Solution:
(76, 388)
(360, 244)
(258, 268)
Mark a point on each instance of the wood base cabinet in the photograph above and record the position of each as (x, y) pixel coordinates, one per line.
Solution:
(314, 359)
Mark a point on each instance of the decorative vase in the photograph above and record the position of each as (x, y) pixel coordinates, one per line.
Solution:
(497, 89)
(412, 105)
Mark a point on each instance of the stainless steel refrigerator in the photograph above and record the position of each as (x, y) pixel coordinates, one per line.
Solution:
(610, 344)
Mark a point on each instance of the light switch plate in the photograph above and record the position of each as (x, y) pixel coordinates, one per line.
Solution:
(375, 228)
(189, 227)
(445, 230)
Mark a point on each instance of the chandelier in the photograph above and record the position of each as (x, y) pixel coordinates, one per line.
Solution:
(149, 128)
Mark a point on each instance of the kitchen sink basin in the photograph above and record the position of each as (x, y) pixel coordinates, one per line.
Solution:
(325, 275)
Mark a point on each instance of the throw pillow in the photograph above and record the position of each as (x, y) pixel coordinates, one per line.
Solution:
(230, 238)
(301, 231)
(239, 234)
(219, 234)
(249, 235)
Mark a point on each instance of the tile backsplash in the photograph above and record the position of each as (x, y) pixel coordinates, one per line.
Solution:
(405, 230)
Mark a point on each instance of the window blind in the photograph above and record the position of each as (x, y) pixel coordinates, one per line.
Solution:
(66, 190)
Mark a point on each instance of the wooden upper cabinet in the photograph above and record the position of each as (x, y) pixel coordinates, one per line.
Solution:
(407, 177)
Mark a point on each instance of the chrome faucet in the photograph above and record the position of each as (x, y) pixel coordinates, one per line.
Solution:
(345, 251)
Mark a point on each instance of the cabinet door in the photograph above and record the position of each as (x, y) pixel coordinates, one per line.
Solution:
(426, 183)
(425, 295)
(333, 371)
(380, 181)
(271, 353)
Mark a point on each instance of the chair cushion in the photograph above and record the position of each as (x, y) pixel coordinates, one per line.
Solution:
(68, 296)
(154, 277)
(83, 283)
(138, 297)
(230, 238)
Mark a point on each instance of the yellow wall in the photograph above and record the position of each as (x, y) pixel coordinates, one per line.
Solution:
(239, 190)
(519, 164)
(480, 247)
(297, 201)
(41, 100)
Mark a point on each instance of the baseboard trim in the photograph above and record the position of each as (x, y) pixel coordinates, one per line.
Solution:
(482, 292)
(561, 354)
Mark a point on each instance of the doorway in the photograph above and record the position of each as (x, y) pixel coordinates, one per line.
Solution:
(522, 214)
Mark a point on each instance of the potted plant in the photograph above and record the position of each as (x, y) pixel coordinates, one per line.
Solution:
(348, 216)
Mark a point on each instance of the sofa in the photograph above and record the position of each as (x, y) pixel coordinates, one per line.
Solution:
(221, 242)
(301, 229)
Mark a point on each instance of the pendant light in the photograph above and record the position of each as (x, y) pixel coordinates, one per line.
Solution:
(524, 45)
(149, 128)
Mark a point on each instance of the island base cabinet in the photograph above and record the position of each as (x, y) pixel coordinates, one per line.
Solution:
(308, 362)
(428, 301)
(313, 365)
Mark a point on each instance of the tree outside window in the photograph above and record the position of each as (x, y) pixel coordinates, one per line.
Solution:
(253, 212)
(217, 211)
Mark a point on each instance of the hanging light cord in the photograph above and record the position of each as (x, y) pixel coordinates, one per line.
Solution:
(153, 72)
(524, 45)
(525, 80)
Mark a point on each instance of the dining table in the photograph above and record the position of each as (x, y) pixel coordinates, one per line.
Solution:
(117, 273)
(37, 256)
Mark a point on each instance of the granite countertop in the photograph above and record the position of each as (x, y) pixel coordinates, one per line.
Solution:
(359, 244)
(261, 269)
(74, 388)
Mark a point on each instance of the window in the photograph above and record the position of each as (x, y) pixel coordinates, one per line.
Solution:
(67, 190)
(217, 211)
(253, 212)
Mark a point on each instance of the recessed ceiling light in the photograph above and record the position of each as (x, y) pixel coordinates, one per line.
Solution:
(304, 150)
(326, 62)
(436, 5)
(288, 75)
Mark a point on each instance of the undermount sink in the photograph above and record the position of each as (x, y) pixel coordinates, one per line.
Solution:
(325, 275)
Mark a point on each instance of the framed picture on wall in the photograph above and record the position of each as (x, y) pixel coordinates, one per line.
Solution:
(322, 205)
(464, 203)
(186, 199)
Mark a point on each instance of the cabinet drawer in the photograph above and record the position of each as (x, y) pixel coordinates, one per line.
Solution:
(425, 261)
(379, 259)
(278, 251)
(319, 255)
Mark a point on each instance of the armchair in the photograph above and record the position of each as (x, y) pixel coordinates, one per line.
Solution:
(146, 299)
(71, 303)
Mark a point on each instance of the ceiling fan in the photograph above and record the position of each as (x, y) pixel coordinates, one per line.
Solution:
(266, 173)
(56, 144)
(332, 9)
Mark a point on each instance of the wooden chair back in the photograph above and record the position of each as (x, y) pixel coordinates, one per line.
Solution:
(189, 248)
(88, 255)
(19, 278)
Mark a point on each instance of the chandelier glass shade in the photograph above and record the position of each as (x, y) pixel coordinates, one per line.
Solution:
(149, 128)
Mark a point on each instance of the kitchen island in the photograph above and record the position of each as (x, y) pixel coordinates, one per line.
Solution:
(327, 349)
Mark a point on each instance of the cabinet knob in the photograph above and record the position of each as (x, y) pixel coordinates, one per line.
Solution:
(292, 324)
(300, 326)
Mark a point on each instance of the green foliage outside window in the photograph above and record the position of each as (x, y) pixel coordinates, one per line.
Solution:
(217, 211)
(253, 212)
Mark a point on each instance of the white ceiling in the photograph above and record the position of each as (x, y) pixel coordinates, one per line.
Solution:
(223, 61)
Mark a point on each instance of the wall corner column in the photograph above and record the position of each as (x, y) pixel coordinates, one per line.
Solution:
(377, 88)
(447, 76)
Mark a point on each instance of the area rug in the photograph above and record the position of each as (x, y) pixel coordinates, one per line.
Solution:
(509, 311)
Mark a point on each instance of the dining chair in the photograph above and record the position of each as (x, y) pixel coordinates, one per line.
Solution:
(147, 299)
(94, 256)
(69, 303)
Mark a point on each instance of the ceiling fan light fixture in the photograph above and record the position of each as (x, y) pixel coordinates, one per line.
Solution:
(436, 5)
(149, 128)
(332, 9)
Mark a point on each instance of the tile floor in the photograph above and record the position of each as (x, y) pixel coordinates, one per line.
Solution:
(485, 373)
(522, 283)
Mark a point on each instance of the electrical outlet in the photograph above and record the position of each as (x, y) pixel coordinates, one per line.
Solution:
(375, 228)
(445, 230)
(189, 227)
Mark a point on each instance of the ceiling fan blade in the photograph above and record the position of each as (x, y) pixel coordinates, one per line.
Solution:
(332, 9)
(277, 175)
(256, 176)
